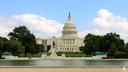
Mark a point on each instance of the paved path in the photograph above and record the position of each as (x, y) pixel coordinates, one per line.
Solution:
(63, 70)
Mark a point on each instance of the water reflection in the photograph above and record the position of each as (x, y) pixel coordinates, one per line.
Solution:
(65, 63)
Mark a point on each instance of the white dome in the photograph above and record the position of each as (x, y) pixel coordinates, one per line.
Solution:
(69, 29)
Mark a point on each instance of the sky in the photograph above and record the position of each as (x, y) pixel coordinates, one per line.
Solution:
(46, 18)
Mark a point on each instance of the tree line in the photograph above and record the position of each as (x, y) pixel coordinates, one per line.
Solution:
(110, 44)
(21, 41)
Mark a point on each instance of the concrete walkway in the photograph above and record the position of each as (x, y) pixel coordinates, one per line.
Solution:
(63, 70)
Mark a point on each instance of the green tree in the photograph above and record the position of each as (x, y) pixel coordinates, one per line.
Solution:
(112, 38)
(82, 48)
(106, 43)
(23, 35)
(14, 47)
(125, 49)
(11, 45)
(40, 47)
(88, 42)
(3, 41)
(112, 50)
(92, 43)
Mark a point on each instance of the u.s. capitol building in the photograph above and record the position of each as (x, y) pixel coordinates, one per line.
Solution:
(68, 42)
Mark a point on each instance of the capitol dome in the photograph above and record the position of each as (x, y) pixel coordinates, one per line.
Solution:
(69, 29)
(69, 42)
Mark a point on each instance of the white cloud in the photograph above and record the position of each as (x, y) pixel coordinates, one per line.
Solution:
(106, 22)
(40, 26)
(103, 23)
(102, 19)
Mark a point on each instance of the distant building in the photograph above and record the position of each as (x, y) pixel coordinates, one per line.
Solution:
(39, 40)
(68, 42)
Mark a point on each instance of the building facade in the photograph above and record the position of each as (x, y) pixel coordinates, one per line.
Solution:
(69, 41)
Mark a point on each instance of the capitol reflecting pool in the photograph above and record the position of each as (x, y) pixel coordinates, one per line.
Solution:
(64, 63)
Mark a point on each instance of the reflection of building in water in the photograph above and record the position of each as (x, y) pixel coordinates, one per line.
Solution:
(68, 42)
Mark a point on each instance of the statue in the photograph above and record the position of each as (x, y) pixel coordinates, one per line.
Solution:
(53, 43)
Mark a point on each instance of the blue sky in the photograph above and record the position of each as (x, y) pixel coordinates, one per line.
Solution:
(83, 12)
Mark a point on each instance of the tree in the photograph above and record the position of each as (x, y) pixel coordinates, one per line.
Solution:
(106, 43)
(23, 35)
(112, 50)
(81, 48)
(11, 45)
(92, 43)
(112, 38)
(40, 47)
(14, 47)
(125, 49)
(88, 42)
(2, 44)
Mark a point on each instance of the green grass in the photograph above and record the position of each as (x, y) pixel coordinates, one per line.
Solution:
(67, 54)
(32, 55)
(75, 54)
